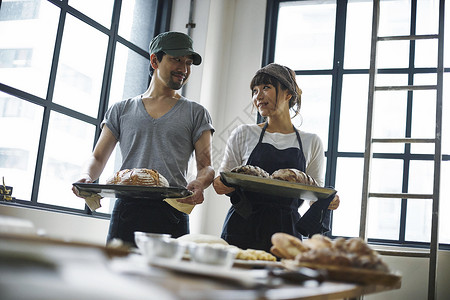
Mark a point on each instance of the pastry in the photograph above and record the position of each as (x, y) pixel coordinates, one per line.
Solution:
(146, 177)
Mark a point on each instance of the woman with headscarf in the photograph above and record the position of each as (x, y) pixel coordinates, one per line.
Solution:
(272, 145)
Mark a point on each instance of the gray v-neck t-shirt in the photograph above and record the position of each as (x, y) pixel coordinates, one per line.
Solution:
(164, 144)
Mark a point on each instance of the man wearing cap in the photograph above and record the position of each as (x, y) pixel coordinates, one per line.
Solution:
(159, 129)
(273, 145)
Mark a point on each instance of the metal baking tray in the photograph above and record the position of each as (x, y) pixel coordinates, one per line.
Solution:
(275, 187)
(133, 191)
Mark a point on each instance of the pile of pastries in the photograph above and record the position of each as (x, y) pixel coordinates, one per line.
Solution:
(321, 250)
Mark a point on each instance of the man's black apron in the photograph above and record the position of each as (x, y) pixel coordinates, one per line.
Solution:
(254, 218)
(146, 215)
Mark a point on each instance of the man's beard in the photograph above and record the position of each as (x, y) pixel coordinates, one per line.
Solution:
(176, 85)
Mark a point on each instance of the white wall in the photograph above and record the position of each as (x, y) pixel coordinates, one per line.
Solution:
(229, 36)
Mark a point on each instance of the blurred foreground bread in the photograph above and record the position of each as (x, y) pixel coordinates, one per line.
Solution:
(286, 245)
(321, 250)
(294, 175)
(251, 170)
(138, 176)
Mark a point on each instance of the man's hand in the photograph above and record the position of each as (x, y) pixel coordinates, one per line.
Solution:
(86, 179)
(196, 187)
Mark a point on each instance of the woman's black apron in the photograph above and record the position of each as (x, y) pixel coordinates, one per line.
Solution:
(254, 218)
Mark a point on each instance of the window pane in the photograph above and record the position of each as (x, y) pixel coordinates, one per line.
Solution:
(81, 67)
(352, 126)
(392, 54)
(384, 218)
(346, 217)
(418, 218)
(428, 19)
(421, 176)
(386, 176)
(136, 19)
(389, 113)
(358, 33)
(305, 34)
(444, 208)
(99, 10)
(447, 36)
(445, 113)
(423, 120)
(27, 34)
(389, 119)
(68, 145)
(424, 114)
(21, 124)
(395, 17)
(315, 110)
(426, 54)
(130, 74)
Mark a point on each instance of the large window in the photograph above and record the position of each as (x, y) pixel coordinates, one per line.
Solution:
(62, 64)
(327, 43)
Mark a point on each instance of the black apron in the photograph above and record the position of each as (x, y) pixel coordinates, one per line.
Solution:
(146, 215)
(254, 218)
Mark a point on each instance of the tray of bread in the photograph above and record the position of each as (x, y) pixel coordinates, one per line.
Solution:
(134, 183)
(284, 182)
(133, 191)
(347, 260)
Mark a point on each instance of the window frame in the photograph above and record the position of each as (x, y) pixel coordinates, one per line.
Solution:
(337, 72)
(160, 24)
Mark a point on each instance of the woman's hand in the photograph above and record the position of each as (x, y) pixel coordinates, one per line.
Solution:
(335, 203)
(221, 188)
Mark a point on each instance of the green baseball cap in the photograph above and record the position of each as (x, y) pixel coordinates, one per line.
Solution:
(174, 44)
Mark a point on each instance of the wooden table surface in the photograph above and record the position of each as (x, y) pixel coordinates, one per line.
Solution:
(42, 268)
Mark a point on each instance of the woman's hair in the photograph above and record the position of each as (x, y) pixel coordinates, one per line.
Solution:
(296, 99)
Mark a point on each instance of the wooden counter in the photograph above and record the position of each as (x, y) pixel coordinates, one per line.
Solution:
(42, 268)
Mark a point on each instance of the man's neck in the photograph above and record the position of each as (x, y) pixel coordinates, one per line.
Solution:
(159, 92)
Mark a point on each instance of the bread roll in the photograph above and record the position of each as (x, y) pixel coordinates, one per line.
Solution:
(294, 175)
(251, 170)
(287, 246)
(145, 177)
